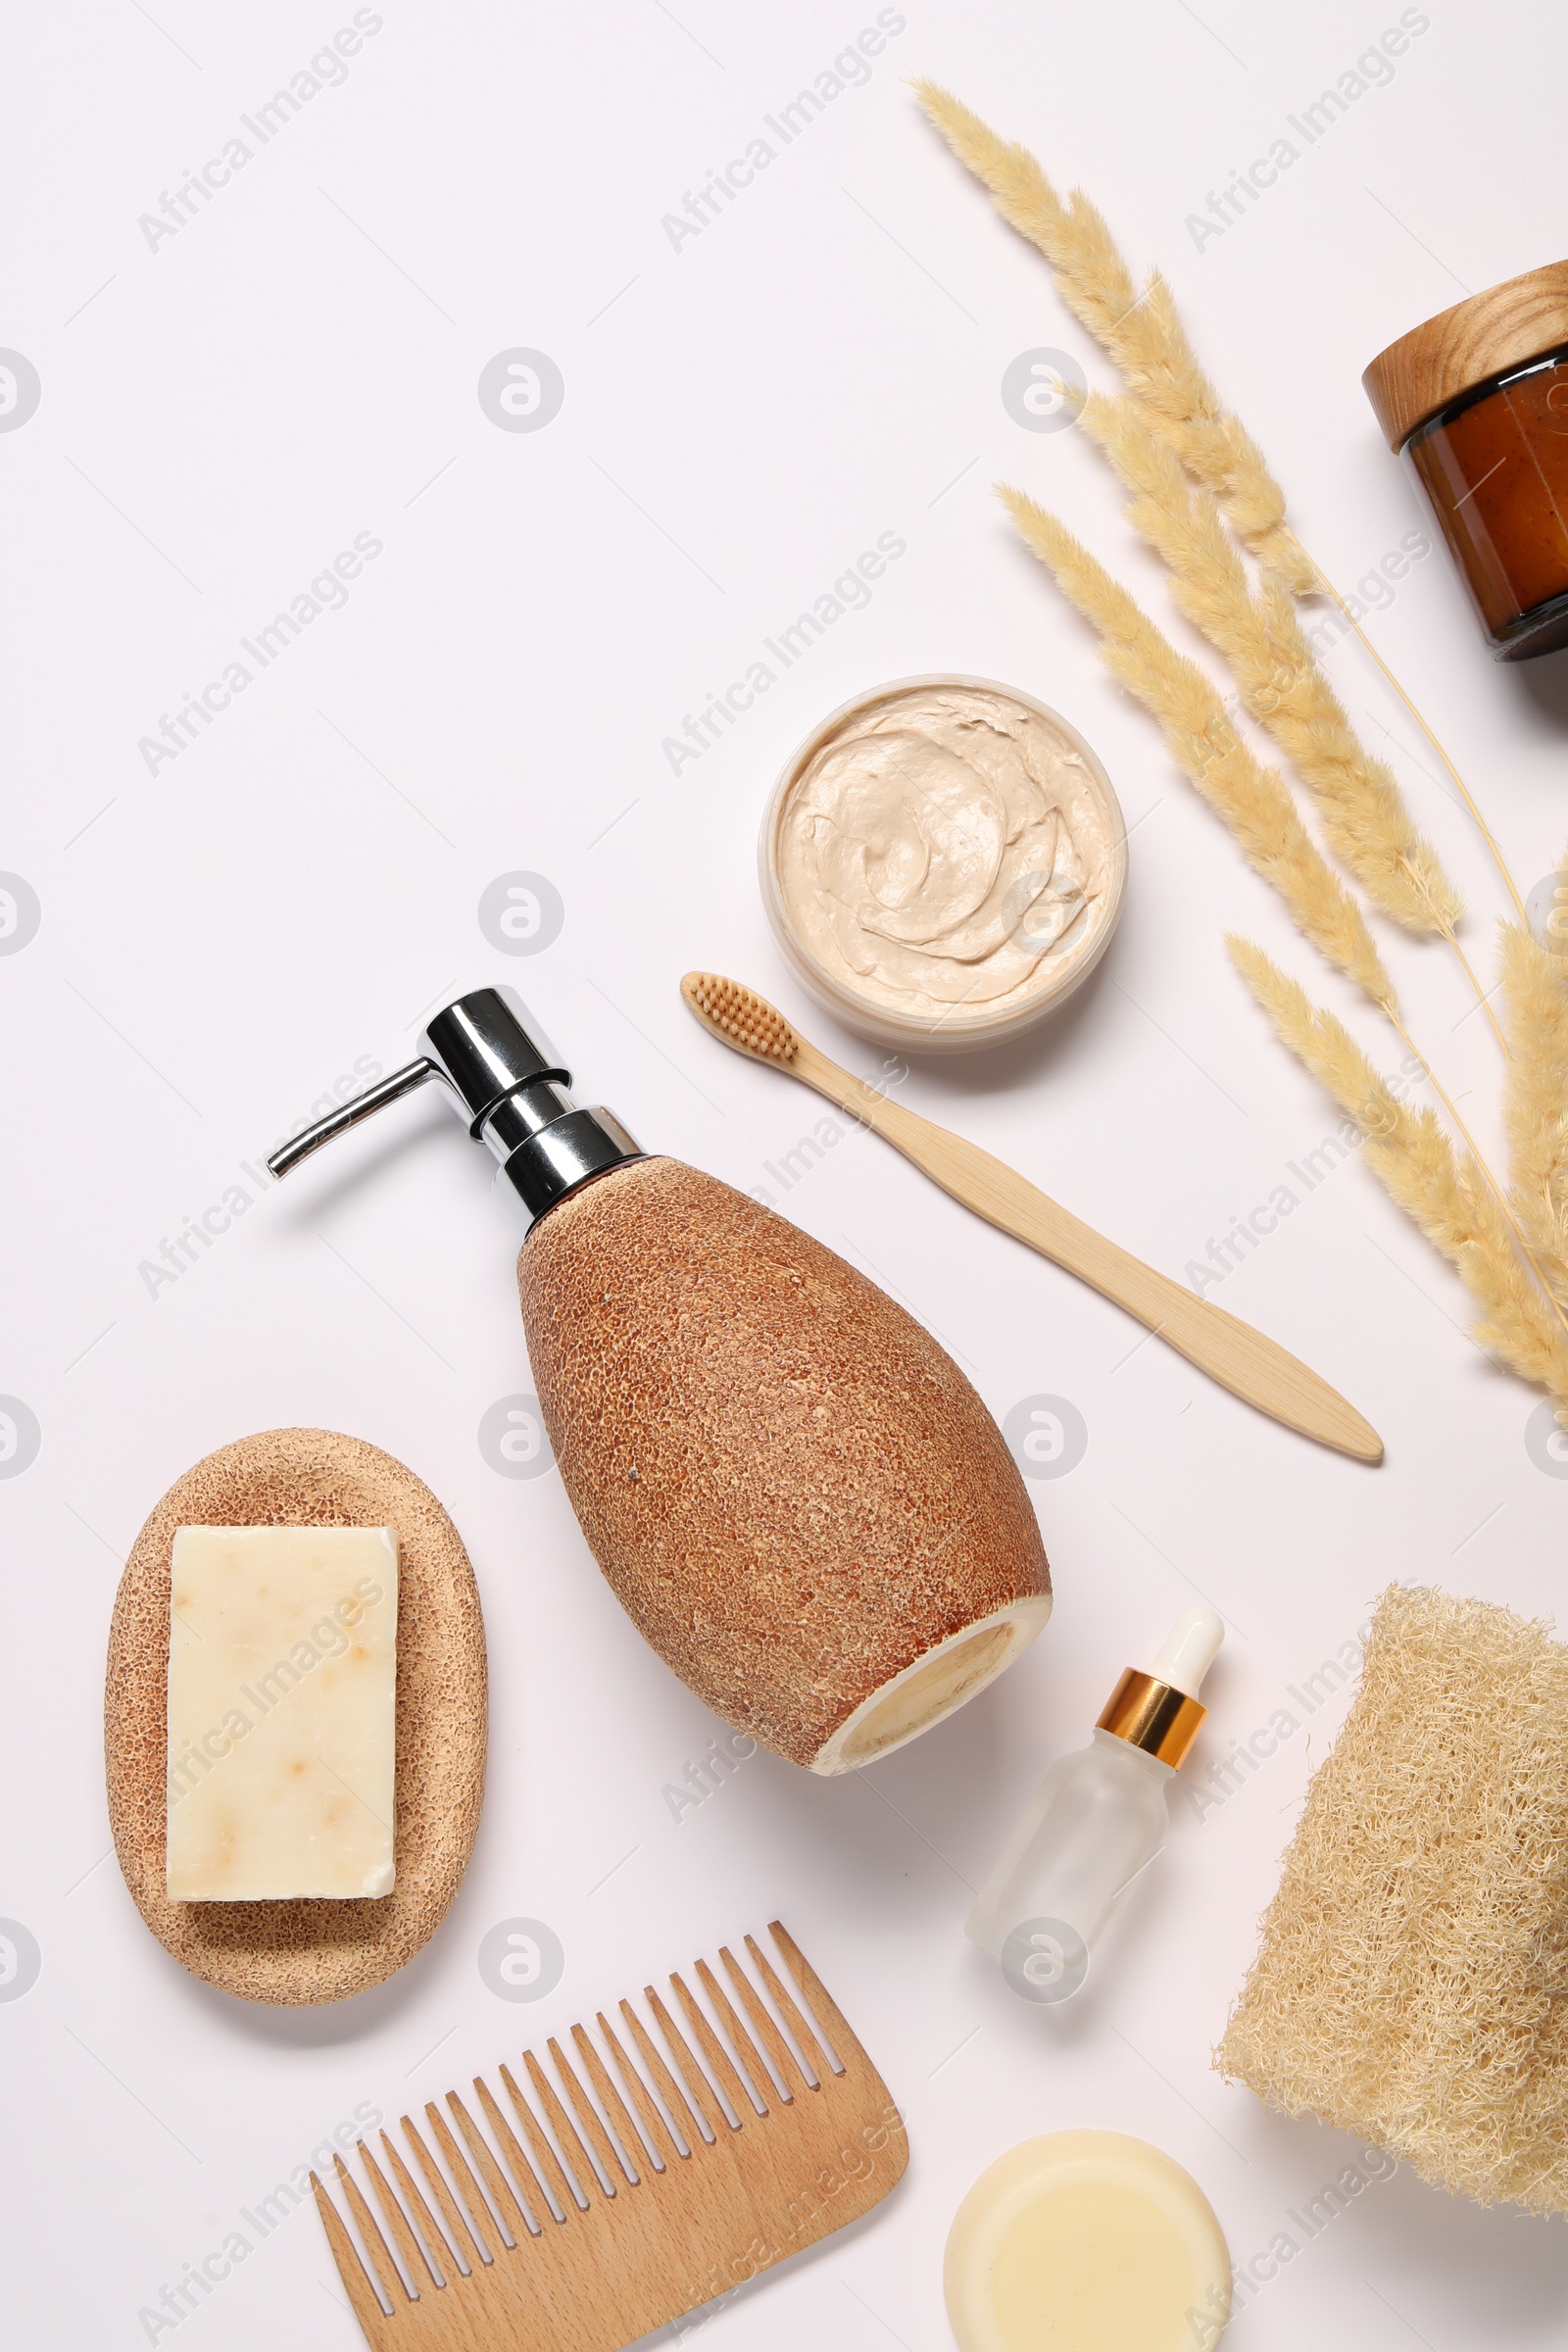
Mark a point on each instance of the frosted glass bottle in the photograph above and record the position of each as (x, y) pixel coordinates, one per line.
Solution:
(1096, 1820)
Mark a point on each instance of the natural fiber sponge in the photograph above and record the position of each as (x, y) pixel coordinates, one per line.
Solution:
(1410, 1986)
(796, 1495)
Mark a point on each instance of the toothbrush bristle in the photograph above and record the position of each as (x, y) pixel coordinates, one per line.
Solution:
(742, 1017)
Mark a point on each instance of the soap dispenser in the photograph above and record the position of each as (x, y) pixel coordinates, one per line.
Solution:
(793, 1491)
(1097, 1820)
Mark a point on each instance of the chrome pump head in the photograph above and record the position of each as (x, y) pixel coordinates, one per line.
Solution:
(505, 1079)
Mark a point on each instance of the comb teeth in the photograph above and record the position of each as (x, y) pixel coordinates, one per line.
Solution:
(741, 1016)
(553, 2233)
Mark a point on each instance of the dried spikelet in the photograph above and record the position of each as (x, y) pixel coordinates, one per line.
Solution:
(1408, 1984)
(1250, 798)
(1409, 1151)
(1365, 820)
(1141, 333)
(1535, 992)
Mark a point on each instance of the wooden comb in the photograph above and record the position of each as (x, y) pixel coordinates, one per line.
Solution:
(583, 2229)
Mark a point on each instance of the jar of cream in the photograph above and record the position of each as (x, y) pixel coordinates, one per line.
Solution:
(943, 862)
(1477, 399)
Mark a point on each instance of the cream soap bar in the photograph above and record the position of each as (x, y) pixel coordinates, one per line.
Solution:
(282, 1728)
(1086, 2242)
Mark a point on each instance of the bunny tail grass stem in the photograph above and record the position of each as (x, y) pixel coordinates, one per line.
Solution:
(1142, 332)
(1484, 997)
(1414, 1160)
(1365, 820)
(1498, 1192)
(1535, 986)
(1329, 590)
(1368, 826)
(1251, 799)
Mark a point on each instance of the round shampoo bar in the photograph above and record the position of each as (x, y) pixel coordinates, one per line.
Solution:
(1086, 2242)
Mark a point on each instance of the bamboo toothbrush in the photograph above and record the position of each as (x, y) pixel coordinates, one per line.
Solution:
(1253, 1368)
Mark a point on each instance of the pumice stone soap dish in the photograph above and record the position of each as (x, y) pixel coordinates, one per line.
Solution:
(301, 1701)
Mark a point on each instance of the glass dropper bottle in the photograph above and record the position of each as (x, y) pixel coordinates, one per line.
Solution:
(1096, 1820)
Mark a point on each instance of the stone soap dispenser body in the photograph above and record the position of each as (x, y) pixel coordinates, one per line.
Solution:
(793, 1491)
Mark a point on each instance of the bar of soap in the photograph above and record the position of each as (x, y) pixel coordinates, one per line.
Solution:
(1086, 2242)
(282, 1712)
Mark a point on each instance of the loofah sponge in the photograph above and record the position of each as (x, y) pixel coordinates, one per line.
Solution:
(1412, 1980)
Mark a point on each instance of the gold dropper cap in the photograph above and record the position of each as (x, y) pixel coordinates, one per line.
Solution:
(1152, 1715)
(1160, 1712)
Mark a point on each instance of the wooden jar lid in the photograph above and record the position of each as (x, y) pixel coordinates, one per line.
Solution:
(1478, 338)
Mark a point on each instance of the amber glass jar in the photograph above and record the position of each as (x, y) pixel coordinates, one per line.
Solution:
(1477, 399)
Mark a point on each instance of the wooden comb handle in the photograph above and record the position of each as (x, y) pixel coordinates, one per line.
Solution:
(1253, 1368)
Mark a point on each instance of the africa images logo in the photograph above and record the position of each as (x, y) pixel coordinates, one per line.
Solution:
(521, 1959)
(513, 1437)
(20, 1960)
(20, 913)
(19, 1437)
(19, 390)
(1047, 1436)
(521, 390)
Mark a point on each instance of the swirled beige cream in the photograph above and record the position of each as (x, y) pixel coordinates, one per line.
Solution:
(949, 854)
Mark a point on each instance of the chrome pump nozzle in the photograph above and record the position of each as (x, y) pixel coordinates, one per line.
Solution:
(505, 1080)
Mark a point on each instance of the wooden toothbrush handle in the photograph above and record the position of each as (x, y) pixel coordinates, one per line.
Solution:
(1253, 1367)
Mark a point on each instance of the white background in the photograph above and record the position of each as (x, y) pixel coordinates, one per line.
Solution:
(220, 939)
